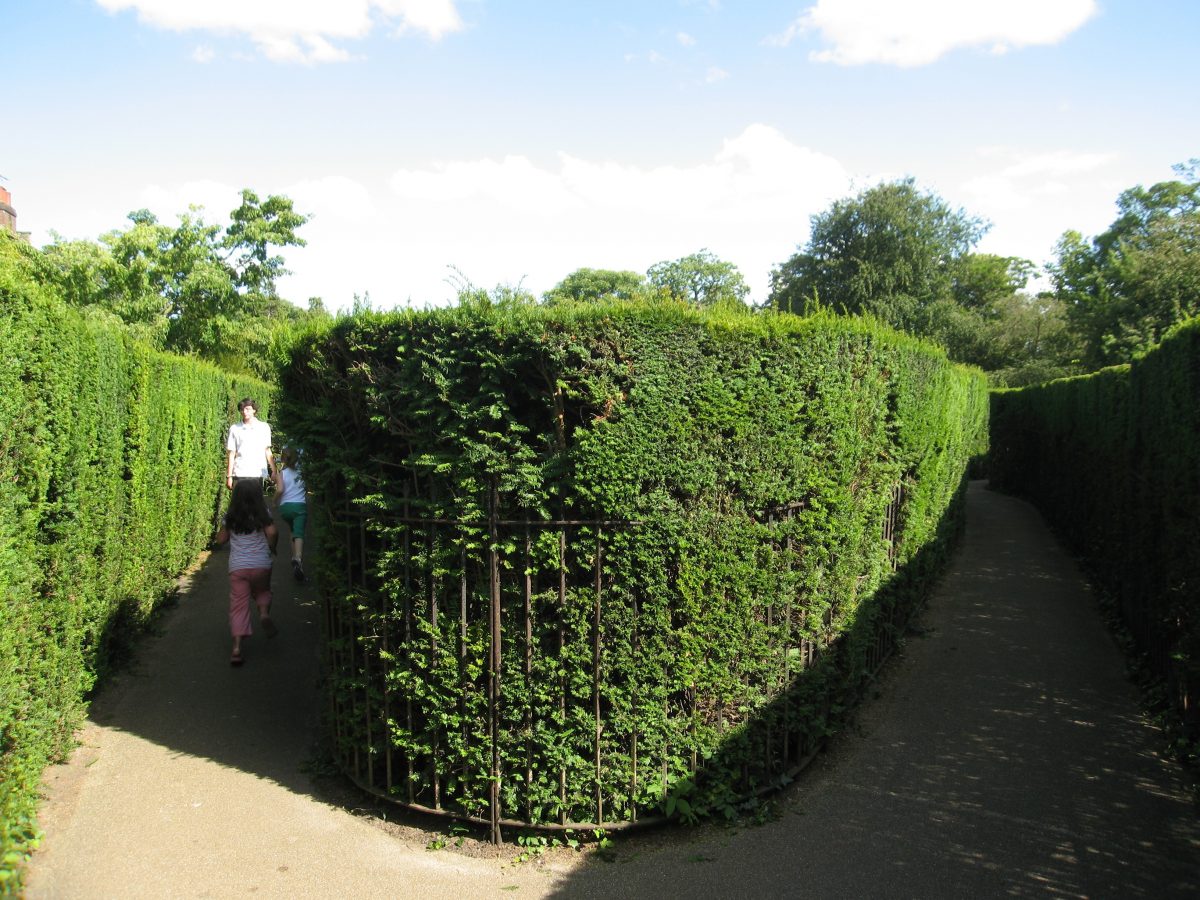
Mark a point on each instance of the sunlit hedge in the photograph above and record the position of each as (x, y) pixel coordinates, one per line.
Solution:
(110, 475)
(733, 470)
(1112, 460)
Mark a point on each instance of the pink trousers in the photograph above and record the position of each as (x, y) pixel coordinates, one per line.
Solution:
(242, 584)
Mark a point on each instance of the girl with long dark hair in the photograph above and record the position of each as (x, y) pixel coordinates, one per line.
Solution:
(252, 537)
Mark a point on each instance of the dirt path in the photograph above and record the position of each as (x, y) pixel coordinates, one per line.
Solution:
(1004, 757)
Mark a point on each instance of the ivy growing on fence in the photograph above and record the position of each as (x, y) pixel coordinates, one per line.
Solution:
(1112, 460)
(600, 563)
(110, 475)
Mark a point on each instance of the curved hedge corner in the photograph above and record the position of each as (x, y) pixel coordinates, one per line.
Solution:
(607, 563)
(110, 476)
(1112, 460)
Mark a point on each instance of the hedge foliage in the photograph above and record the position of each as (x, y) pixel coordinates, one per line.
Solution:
(741, 466)
(1112, 460)
(110, 475)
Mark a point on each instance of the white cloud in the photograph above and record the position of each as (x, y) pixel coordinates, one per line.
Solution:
(216, 200)
(785, 37)
(1024, 178)
(715, 74)
(203, 54)
(1033, 197)
(334, 200)
(296, 30)
(685, 39)
(513, 220)
(919, 32)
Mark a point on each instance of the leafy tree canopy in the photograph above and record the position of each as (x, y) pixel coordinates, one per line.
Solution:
(194, 287)
(1128, 286)
(590, 285)
(889, 251)
(701, 279)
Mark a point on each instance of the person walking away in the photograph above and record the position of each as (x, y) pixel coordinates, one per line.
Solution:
(293, 504)
(252, 537)
(248, 447)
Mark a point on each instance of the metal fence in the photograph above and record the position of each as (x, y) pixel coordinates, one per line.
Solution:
(491, 582)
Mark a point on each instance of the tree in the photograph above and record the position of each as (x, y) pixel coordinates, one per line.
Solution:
(1027, 341)
(981, 280)
(123, 275)
(256, 227)
(192, 288)
(700, 279)
(591, 285)
(905, 256)
(1130, 284)
(890, 251)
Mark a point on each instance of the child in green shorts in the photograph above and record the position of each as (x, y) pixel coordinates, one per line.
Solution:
(293, 505)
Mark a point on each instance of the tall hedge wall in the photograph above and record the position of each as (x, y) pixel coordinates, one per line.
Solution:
(580, 558)
(110, 477)
(1113, 462)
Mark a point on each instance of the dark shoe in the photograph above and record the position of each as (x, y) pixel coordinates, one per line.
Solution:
(236, 658)
(297, 570)
(269, 627)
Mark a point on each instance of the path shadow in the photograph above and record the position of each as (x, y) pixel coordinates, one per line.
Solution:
(180, 691)
(1004, 755)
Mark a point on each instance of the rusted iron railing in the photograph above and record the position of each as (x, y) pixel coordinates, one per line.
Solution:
(488, 585)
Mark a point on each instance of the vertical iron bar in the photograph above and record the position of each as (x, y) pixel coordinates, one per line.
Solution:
(351, 643)
(334, 623)
(772, 644)
(787, 656)
(463, 682)
(494, 662)
(387, 706)
(562, 680)
(596, 675)
(666, 749)
(633, 787)
(410, 775)
(528, 675)
(433, 643)
(346, 633)
(692, 726)
(366, 655)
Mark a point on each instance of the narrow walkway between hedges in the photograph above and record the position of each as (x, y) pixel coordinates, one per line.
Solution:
(1003, 756)
(194, 779)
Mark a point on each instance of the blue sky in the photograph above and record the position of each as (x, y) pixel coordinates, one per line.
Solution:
(519, 141)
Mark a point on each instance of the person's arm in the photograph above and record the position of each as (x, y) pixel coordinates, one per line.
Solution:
(222, 536)
(272, 534)
(231, 445)
(271, 473)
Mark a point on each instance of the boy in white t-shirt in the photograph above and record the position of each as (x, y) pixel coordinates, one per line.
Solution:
(248, 447)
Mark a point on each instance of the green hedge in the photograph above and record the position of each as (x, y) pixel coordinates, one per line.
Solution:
(733, 473)
(1112, 460)
(110, 477)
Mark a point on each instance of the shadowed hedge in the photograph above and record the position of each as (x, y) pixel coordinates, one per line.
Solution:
(1112, 460)
(576, 554)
